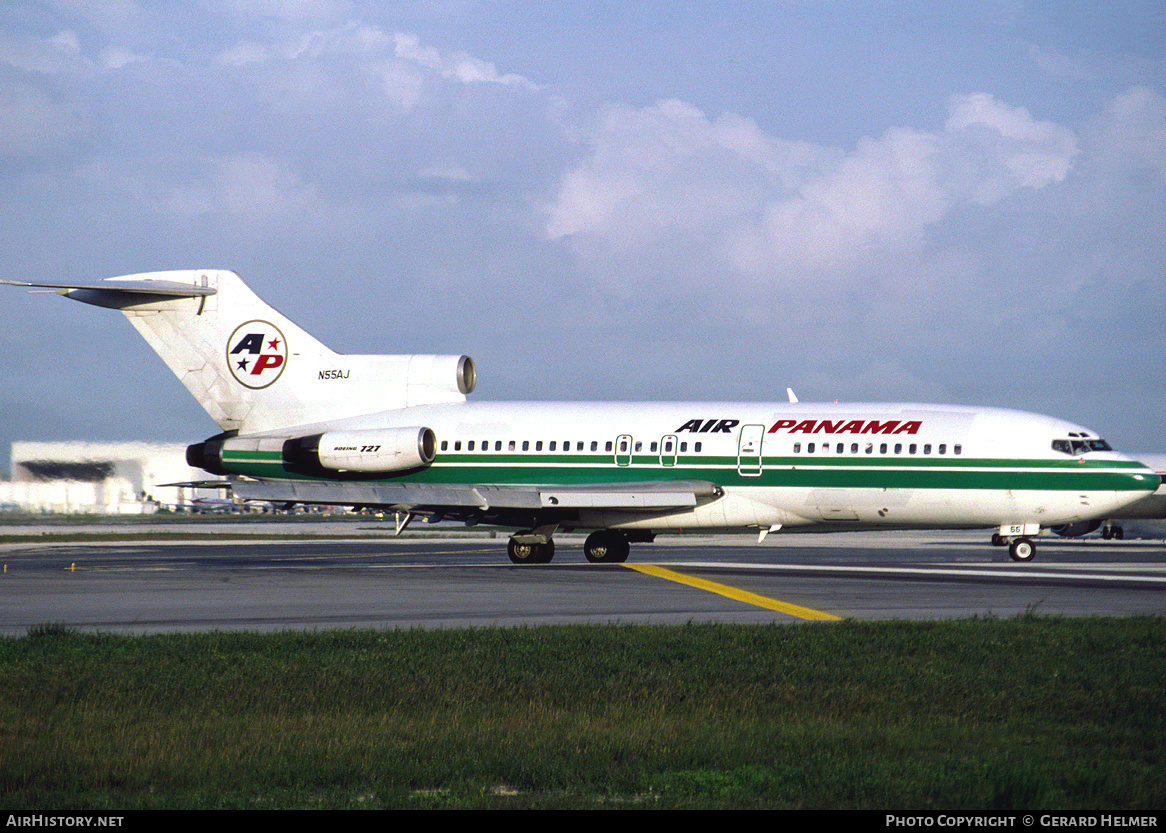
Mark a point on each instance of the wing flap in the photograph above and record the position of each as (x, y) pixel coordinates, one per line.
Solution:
(661, 495)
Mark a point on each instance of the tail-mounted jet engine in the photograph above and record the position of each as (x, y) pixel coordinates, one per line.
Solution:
(388, 451)
(362, 453)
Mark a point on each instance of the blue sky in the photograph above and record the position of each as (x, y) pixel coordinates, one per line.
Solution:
(888, 201)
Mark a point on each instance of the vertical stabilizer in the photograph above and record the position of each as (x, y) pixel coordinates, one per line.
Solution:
(253, 369)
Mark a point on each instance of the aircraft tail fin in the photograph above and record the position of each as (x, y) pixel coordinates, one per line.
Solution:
(252, 368)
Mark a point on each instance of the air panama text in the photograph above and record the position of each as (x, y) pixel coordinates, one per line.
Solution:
(849, 426)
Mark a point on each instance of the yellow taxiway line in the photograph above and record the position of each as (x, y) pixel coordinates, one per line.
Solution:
(734, 593)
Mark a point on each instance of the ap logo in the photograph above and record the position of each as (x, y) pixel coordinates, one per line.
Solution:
(256, 354)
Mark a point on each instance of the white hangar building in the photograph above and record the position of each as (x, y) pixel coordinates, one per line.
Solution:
(100, 478)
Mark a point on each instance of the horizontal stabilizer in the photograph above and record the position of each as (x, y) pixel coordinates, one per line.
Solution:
(170, 289)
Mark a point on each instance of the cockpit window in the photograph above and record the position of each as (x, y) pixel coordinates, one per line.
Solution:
(1075, 447)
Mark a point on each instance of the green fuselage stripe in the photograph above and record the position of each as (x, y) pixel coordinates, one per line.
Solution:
(856, 472)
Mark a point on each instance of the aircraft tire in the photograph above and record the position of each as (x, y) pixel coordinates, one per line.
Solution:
(1022, 549)
(530, 553)
(606, 547)
(548, 552)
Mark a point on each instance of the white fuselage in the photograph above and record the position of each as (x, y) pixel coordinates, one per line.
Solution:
(809, 465)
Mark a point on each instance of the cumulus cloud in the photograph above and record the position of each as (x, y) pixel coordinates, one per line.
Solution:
(456, 65)
(1131, 134)
(774, 211)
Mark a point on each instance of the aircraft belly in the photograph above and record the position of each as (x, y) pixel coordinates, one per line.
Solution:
(734, 510)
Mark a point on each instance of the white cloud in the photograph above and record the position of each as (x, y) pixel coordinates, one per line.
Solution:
(55, 55)
(1131, 134)
(456, 65)
(115, 57)
(244, 53)
(1006, 146)
(774, 211)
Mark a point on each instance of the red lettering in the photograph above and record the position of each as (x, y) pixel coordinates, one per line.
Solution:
(806, 426)
(876, 427)
(852, 427)
(266, 363)
(911, 427)
(827, 427)
(781, 423)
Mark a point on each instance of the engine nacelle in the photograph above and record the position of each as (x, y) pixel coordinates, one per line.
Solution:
(455, 374)
(383, 451)
(364, 453)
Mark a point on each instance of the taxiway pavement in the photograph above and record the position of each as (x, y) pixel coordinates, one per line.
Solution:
(139, 585)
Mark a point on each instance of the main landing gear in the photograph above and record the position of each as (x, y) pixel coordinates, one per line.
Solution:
(603, 546)
(606, 547)
(1112, 531)
(531, 553)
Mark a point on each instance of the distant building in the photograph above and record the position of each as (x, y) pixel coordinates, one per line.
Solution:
(101, 478)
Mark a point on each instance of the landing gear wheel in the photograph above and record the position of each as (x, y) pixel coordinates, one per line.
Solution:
(1022, 549)
(605, 547)
(530, 553)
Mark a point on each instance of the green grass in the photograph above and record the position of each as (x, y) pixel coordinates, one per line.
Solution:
(1025, 714)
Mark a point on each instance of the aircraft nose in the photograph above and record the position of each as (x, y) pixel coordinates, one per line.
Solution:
(1146, 479)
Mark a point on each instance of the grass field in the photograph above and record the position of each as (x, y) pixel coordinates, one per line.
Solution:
(1025, 714)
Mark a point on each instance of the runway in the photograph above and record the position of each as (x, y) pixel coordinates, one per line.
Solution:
(150, 586)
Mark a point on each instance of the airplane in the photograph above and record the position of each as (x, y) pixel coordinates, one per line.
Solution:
(303, 424)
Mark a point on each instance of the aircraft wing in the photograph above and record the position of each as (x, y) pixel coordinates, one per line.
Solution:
(463, 498)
